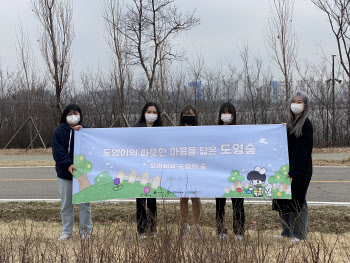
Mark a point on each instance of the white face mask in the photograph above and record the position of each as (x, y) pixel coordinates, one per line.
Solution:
(150, 118)
(226, 118)
(297, 108)
(73, 119)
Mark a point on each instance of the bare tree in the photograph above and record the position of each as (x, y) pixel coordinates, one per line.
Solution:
(338, 13)
(118, 44)
(282, 43)
(149, 26)
(28, 72)
(55, 41)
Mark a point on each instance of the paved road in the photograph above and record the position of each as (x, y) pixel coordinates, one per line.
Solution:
(329, 184)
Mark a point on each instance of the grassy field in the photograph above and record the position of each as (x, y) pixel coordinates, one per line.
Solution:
(33, 238)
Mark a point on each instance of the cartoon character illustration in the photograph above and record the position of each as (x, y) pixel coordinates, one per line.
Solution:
(268, 189)
(257, 178)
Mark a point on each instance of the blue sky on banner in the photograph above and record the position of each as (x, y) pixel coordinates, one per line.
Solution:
(206, 176)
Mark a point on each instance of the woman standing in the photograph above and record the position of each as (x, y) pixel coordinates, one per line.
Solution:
(294, 212)
(150, 117)
(227, 116)
(62, 150)
(189, 117)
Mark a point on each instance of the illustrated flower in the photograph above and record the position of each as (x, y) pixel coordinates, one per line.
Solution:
(146, 190)
(239, 190)
(116, 181)
(279, 194)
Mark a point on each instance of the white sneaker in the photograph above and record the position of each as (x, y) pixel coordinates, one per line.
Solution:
(196, 231)
(64, 237)
(85, 236)
(142, 236)
(295, 240)
(238, 237)
(222, 236)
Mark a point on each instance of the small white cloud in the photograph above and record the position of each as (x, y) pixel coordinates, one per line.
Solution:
(273, 169)
(242, 170)
(279, 158)
(111, 167)
(90, 152)
(274, 149)
(281, 146)
(108, 163)
(144, 164)
(82, 147)
(263, 140)
(93, 147)
(270, 165)
(148, 161)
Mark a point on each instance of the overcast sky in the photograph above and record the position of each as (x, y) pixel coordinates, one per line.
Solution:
(225, 24)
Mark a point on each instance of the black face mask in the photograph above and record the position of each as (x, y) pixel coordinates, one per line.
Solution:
(189, 120)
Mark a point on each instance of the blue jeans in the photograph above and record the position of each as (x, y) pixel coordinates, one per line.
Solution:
(67, 212)
(295, 224)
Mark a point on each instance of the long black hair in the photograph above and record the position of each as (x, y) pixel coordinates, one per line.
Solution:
(186, 110)
(70, 107)
(158, 121)
(227, 107)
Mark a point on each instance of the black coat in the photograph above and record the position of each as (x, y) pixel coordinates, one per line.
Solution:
(300, 169)
(141, 124)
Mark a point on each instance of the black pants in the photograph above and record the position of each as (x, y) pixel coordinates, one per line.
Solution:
(238, 215)
(145, 218)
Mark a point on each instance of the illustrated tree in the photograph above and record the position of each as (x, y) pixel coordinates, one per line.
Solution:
(236, 179)
(103, 178)
(281, 178)
(83, 167)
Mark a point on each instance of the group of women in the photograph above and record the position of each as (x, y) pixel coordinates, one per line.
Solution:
(293, 213)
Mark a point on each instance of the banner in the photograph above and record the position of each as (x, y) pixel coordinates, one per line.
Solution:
(243, 161)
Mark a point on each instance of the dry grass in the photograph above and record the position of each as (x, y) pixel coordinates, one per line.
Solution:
(114, 238)
(325, 219)
(344, 162)
(39, 151)
(331, 150)
(26, 163)
(29, 241)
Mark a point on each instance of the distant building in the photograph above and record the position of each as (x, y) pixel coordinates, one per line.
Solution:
(198, 87)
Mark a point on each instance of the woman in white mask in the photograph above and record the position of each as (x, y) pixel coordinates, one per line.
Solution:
(294, 213)
(62, 150)
(147, 219)
(227, 116)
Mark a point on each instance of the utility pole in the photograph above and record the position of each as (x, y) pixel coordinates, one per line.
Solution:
(333, 104)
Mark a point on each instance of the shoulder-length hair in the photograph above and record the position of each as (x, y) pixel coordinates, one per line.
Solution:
(67, 109)
(158, 121)
(187, 110)
(298, 126)
(227, 107)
